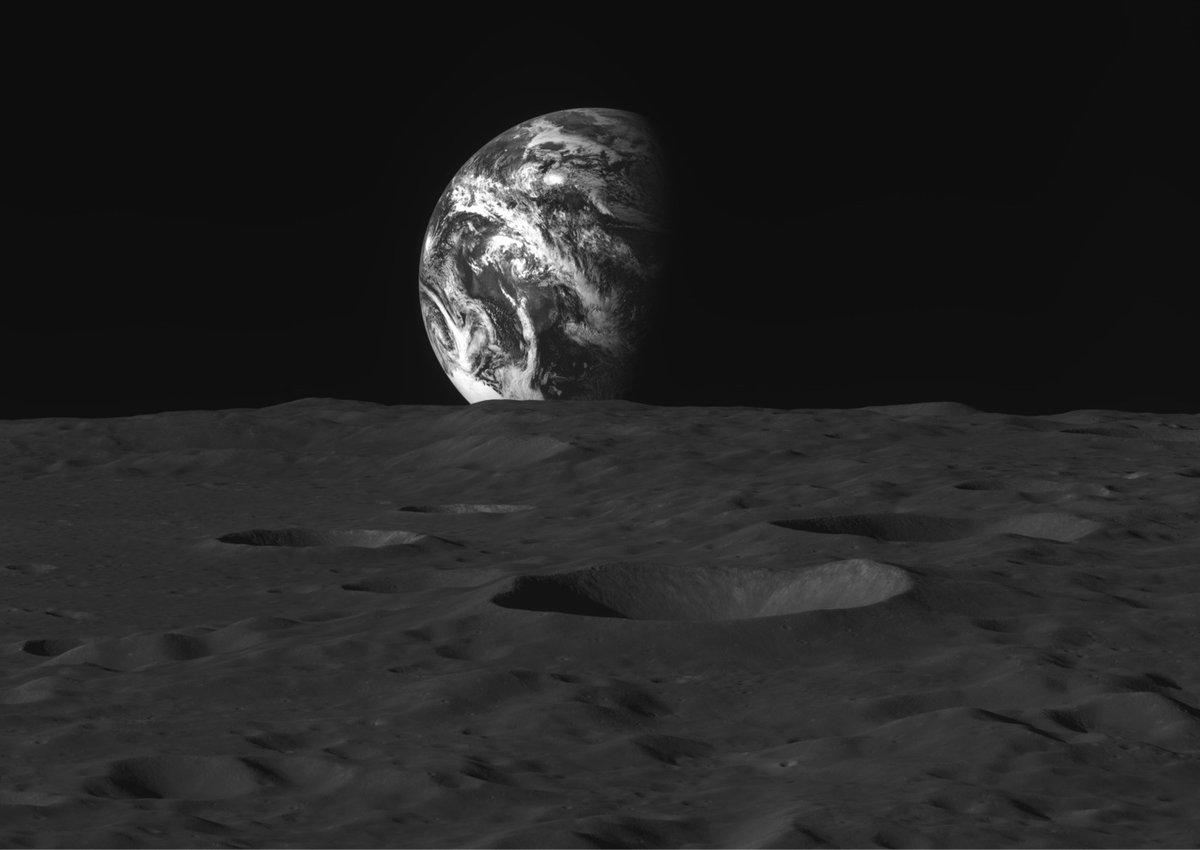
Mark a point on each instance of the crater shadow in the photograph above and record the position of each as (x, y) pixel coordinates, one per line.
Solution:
(50, 647)
(1025, 485)
(367, 538)
(914, 528)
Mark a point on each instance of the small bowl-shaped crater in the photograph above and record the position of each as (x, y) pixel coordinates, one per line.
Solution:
(644, 591)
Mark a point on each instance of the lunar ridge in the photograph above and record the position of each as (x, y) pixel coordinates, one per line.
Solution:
(600, 623)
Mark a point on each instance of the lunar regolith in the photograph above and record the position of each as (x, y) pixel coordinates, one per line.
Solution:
(598, 624)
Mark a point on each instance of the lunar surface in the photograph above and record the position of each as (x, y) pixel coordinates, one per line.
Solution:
(541, 267)
(600, 624)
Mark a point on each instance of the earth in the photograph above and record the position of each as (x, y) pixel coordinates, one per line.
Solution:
(541, 270)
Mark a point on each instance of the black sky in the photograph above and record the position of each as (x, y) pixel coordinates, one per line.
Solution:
(987, 203)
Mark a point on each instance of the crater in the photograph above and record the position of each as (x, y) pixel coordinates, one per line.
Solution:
(1152, 718)
(984, 484)
(1026, 485)
(1059, 527)
(178, 777)
(495, 453)
(915, 528)
(50, 647)
(31, 569)
(466, 509)
(645, 591)
(386, 584)
(365, 538)
(924, 528)
(1101, 431)
(190, 777)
